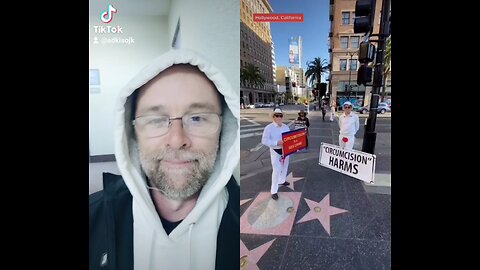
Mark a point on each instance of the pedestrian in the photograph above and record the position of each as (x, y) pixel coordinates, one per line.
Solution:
(175, 205)
(349, 124)
(303, 122)
(272, 138)
(332, 111)
(324, 110)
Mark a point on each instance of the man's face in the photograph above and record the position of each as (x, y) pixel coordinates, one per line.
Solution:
(277, 118)
(347, 109)
(180, 161)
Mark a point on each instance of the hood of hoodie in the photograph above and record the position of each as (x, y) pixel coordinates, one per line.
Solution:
(153, 248)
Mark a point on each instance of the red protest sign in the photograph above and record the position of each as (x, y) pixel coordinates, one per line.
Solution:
(294, 140)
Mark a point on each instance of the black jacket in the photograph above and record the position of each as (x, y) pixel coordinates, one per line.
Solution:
(111, 227)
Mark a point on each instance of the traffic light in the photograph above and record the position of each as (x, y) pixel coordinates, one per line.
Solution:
(364, 16)
(364, 74)
(366, 52)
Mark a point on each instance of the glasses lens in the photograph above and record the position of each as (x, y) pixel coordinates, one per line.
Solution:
(152, 125)
(278, 115)
(348, 107)
(198, 124)
(201, 124)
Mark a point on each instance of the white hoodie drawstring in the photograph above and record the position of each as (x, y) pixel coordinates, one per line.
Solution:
(190, 227)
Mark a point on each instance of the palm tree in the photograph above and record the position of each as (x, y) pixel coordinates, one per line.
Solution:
(250, 76)
(315, 69)
(387, 65)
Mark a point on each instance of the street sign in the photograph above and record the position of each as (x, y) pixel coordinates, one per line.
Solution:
(351, 162)
(294, 140)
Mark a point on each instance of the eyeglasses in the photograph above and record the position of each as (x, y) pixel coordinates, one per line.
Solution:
(195, 124)
(278, 115)
(347, 107)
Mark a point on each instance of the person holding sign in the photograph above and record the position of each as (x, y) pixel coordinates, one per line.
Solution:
(272, 138)
(302, 122)
(349, 124)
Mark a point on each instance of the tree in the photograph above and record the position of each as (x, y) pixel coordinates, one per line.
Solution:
(250, 76)
(314, 72)
(387, 65)
(288, 97)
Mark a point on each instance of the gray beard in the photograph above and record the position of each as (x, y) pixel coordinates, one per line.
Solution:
(178, 184)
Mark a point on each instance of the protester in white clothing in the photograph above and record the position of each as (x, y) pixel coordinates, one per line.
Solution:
(272, 138)
(332, 111)
(349, 124)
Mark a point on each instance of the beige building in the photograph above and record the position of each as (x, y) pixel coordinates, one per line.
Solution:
(343, 49)
(256, 48)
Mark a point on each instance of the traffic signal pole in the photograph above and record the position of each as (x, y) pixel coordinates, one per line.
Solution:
(370, 135)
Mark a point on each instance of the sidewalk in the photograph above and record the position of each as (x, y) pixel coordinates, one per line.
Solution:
(322, 220)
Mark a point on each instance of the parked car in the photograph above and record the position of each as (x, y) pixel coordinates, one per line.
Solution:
(381, 108)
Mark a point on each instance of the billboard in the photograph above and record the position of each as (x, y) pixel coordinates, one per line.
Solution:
(293, 51)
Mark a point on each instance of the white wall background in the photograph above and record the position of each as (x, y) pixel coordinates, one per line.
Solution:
(118, 63)
(211, 27)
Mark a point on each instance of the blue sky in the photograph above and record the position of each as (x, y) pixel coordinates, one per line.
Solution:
(314, 29)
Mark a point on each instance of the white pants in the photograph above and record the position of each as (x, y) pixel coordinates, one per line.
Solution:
(280, 168)
(349, 144)
(332, 115)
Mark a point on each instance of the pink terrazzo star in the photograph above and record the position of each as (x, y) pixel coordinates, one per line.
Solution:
(244, 201)
(292, 180)
(254, 255)
(321, 211)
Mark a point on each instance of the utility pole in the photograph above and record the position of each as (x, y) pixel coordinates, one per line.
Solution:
(370, 135)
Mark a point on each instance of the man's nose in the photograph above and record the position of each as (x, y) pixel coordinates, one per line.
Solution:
(177, 136)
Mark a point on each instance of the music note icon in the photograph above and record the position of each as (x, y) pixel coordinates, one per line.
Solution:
(107, 16)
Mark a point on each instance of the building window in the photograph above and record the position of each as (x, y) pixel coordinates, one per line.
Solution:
(345, 18)
(353, 64)
(343, 64)
(344, 42)
(354, 41)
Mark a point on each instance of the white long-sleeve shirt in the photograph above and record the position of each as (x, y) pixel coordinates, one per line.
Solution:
(272, 134)
(349, 124)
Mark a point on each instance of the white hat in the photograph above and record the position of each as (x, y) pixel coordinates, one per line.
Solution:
(277, 110)
(347, 103)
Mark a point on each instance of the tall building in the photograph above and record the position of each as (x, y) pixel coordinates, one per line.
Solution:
(256, 48)
(343, 49)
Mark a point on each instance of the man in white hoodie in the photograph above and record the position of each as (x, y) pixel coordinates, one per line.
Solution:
(176, 205)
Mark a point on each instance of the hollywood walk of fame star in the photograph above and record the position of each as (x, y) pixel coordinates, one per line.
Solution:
(292, 180)
(244, 201)
(321, 211)
(252, 256)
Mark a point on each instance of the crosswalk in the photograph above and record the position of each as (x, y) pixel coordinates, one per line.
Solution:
(250, 130)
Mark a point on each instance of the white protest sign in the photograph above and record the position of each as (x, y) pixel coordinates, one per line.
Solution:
(351, 162)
